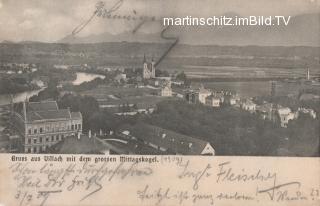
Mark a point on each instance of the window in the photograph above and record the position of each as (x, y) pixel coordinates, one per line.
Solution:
(52, 138)
(79, 126)
(57, 137)
(35, 131)
(35, 140)
(72, 127)
(40, 139)
(29, 141)
(29, 150)
(29, 131)
(47, 139)
(41, 130)
(62, 136)
(75, 126)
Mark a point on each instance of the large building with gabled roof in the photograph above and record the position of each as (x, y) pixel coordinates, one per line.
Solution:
(43, 124)
(168, 141)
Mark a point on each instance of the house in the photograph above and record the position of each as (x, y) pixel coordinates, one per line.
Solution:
(248, 105)
(197, 96)
(166, 90)
(42, 124)
(169, 141)
(192, 96)
(265, 111)
(178, 82)
(120, 77)
(311, 112)
(203, 94)
(213, 101)
(285, 115)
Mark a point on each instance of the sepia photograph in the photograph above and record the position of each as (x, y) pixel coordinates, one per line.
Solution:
(159, 102)
(160, 77)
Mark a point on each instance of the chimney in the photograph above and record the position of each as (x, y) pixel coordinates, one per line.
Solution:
(24, 111)
(79, 135)
(89, 134)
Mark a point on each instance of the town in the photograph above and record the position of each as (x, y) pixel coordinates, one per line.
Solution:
(118, 110)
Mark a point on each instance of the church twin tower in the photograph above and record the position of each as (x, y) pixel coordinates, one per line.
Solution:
(149, 70)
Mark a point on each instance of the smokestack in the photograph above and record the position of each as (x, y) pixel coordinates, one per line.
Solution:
(89, 133)
(24, 111)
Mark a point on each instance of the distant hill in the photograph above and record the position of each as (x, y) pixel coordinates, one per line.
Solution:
(303, 30)
(131, 54)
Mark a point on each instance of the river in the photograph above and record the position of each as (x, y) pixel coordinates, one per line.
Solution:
(86, 77)
(19, 97)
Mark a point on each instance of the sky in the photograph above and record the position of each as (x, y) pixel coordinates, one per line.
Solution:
(49, 21)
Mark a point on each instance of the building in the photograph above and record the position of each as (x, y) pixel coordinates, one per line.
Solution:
(213, 101)
(197, 96)
(265, 111)
(285, 115)
(120, 78)
(310, 112)
(203, 94)
(149, 70)
(166, 90)
(168, 141)
(43, 124)
(248, 105)
(192, 97)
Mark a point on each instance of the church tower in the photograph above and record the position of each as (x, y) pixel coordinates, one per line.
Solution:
(149, 70)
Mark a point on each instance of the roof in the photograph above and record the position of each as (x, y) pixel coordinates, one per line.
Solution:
(178, 143)
(48, 115)
(73, 145)
(213, 97)
(284, 110)
(267, 107)
(76, 115)
(42, 106)
(48, 110)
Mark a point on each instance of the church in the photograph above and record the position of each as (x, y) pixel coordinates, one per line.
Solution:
(149, 70)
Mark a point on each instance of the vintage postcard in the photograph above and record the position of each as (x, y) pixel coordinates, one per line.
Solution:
(159, 102)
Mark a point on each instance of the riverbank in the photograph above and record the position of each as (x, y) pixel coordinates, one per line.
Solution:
(10, 86)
